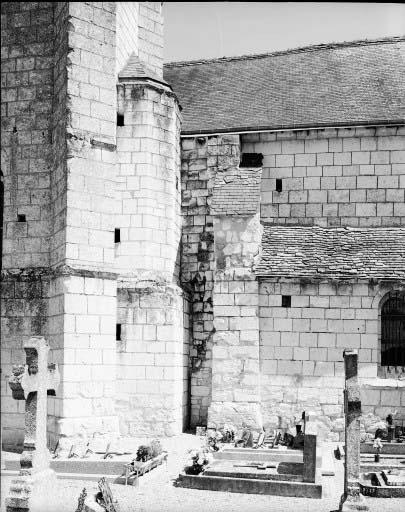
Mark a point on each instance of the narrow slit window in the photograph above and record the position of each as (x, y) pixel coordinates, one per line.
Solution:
(286, 301)
(117, 235)
(279, 185)
(118, 332)
(21, 218)
(120, 119)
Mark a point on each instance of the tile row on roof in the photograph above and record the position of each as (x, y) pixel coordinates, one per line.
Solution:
(298, 251)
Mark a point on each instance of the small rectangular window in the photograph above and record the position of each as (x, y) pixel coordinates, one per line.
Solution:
(117, 235)
(21, 218)
(120, 119)
(279, 185)
(286, 301)
(118, 332)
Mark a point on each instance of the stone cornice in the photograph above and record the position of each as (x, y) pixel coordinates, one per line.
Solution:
(36, 273)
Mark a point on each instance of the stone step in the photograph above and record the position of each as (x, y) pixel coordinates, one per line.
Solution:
(375, 466)
(383, 456)
(253, 476)
(263, 455)
(374, 486)
(251, 486)
(85, 466)
(76, 476)
(394, 448)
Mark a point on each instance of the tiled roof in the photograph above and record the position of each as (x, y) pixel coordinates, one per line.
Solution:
(298, 251)
(236, 192)
(341, 84)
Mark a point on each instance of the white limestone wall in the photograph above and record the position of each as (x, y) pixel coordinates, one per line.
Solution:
(148, 182)
(301, 351)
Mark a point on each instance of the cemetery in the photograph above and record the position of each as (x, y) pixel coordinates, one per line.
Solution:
(229, 460)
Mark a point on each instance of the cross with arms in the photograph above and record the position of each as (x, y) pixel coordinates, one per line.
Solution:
(32, 383)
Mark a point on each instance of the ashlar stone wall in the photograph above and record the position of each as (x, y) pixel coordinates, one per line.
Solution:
(152, 359)
(235, 351)
(333, 177)
(301, 350)
(27, 69)
(201, 159)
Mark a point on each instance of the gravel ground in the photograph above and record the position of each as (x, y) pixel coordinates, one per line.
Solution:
(156, 492)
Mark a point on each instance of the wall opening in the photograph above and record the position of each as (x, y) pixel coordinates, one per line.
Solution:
(279, 185)
(286, 301)
(120, 120)
(117, 235)
(118, 332)
(21, 217)
(393, 330)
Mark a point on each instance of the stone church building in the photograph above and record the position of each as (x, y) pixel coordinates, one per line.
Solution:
(198, 241)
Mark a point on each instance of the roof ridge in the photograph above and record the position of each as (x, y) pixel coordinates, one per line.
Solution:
(301, 49)
(333, 228)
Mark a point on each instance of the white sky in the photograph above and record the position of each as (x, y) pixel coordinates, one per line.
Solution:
(215, 29)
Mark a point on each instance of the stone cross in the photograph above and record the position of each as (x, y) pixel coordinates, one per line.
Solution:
(32, 383)
(352, 498)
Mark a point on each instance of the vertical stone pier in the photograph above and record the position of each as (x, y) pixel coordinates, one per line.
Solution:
(235, 352)
(152, 357)
(352, 499)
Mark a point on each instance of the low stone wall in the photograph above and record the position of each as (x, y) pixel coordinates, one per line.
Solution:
(380, 397)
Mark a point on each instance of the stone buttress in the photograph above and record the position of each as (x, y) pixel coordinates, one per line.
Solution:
(152, 345)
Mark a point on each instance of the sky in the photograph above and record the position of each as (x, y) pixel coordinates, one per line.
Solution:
(195, 30)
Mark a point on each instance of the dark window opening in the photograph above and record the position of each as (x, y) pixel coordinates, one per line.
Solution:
(286, 301)
(120, 119)
(117, 235)
(279, 185)
(21, 218)
(393, 331)
(251, 160)
(118, 332)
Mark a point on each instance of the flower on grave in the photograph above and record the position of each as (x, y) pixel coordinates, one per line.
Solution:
(228, 433)
(378, 444)
(199, 460)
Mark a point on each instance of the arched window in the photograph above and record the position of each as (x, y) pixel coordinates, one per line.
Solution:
(393, 330)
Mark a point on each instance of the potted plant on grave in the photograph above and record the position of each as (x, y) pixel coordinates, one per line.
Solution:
(228, 433)
(213, 438)
(378, 446)
(199, 459)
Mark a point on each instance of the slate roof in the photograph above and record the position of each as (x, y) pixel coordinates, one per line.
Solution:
(236, 192)
(341, 84)
(298, 251)
(134, 69)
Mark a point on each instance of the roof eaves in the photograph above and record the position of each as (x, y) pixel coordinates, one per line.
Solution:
(275, 128)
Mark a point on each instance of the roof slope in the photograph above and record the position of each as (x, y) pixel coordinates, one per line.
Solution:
(236, 192)
(326, 85)
(134, 69)
(298, 251)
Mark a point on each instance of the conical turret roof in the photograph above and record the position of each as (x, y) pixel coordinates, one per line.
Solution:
(135, 70)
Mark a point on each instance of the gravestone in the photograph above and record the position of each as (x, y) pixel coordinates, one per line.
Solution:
(34, 489)
(352, 498)
(309, 458)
